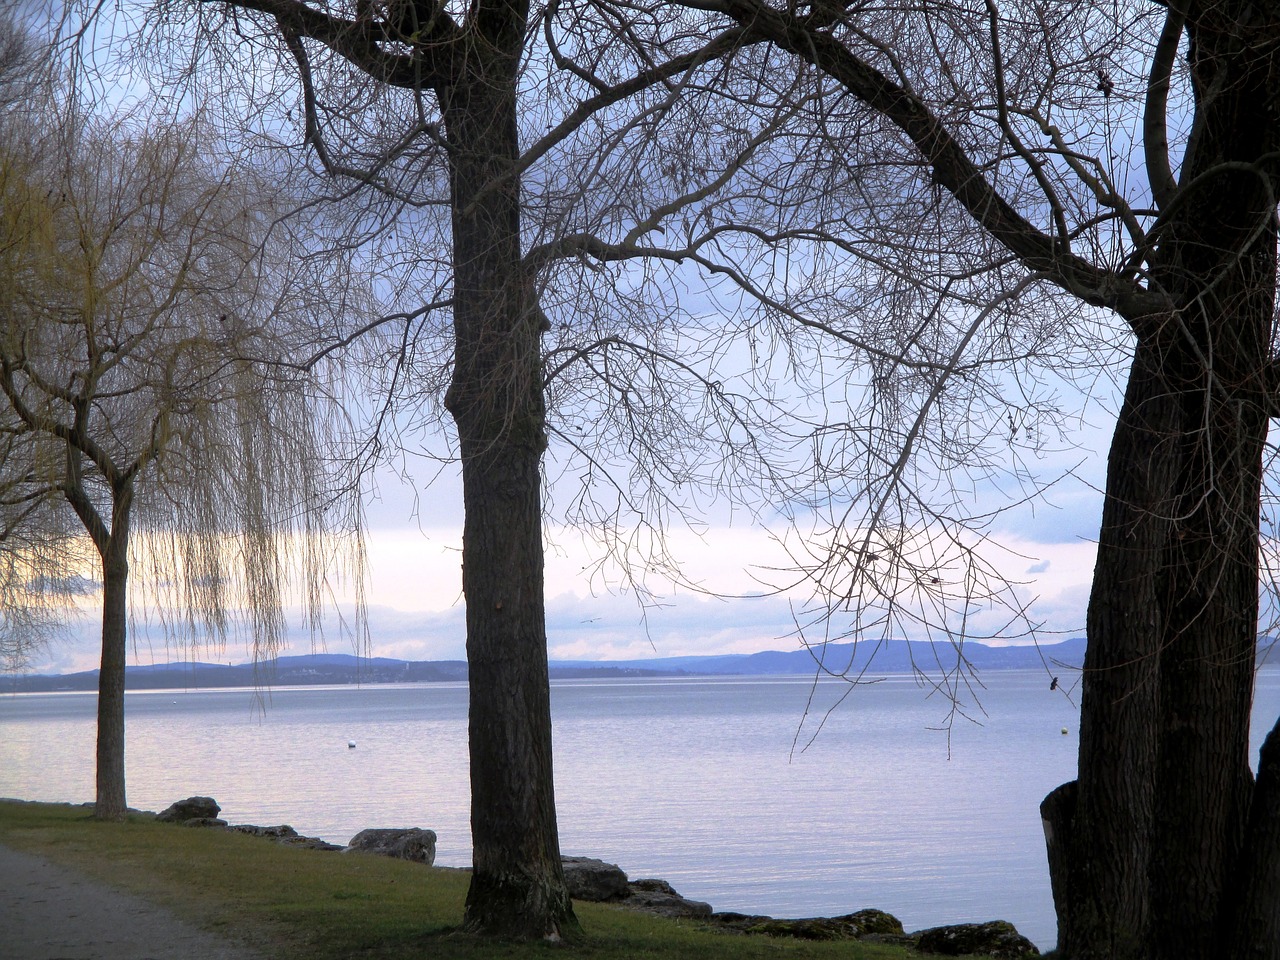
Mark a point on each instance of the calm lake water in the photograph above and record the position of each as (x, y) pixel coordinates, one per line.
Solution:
(691, 780)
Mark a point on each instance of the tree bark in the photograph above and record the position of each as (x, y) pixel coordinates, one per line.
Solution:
(1109, 834)
(517, 886)
(1158, 836)
(110, 802)
(1255, 927)
(1057, 814)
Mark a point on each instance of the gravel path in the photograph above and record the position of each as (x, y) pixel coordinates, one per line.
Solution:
(48, 912)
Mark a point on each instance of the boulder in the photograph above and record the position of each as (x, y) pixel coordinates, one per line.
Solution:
(589, 879)
(659, 897)
(740, 922)
(653, 885)
(192, 808)
(205, 822)
(872, 922)
(310, 843)
(996, 938)
(404, 843)
(808, 928)
(281, 832)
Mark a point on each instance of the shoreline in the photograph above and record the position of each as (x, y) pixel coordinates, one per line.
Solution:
(591, 880)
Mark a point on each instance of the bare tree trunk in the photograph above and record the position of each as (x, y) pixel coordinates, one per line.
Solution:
(1108, 837)
(1144, 851)
(1202, 781)
(109, 803)
(517, 886)
(1158, 838)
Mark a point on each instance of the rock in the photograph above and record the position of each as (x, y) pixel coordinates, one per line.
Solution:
(282, 832)
(192, 808)
(809, 928)
(872, 922)
(310, 843)
(594, 880)
(851, 926)
(660, 898)
(404, 843)
(741, 922)
(652, 885)
(205, 822)
(996, 938)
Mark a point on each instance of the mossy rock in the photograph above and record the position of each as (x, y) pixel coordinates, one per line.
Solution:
(872, 921)
(811, 928)
(996, 938)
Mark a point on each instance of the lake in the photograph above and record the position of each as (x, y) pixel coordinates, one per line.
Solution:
(699, 781)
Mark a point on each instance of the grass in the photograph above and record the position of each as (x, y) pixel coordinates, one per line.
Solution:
(289, 902)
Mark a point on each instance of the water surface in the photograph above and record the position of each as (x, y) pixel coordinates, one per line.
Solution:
(698, 781)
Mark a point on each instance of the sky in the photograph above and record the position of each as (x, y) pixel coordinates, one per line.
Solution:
(416, 612)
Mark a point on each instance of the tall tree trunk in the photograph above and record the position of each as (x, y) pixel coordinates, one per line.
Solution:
(1172, 624)
(109, 803)
(1108, 836)
(517, 885)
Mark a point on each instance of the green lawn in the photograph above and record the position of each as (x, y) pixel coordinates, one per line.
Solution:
(324, 905)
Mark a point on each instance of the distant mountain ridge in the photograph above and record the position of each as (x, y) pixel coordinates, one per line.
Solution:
(883, 657)
(887, 656)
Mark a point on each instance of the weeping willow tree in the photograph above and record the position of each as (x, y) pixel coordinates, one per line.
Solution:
(154, 313)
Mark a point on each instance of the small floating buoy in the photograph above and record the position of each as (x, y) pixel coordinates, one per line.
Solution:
(1064, 733)
(351, 744)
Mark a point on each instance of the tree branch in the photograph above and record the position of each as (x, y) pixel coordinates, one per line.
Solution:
(586, 109)
(358, 41)
(1155, 132)
(314, 135)
(950, 165)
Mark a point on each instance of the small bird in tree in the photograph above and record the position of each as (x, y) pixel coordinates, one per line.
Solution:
(1053, 684)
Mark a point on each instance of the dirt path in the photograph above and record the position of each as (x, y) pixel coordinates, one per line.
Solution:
(48, 912)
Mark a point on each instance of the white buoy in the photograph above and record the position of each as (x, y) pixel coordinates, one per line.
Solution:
(351, 744)
(1064, 733)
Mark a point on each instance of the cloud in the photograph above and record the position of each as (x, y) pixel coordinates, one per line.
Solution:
(615, 627)
(417, 611)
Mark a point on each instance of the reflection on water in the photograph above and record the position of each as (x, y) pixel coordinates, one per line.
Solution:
(692, 780)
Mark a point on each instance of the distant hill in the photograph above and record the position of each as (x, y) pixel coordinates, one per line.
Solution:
(888, 656)
(893, 656)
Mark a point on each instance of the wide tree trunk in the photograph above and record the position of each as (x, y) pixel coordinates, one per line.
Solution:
(517, 886)
(1159, 829)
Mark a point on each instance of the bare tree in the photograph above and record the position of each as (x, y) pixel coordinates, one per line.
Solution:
(149, 304)
(448, 129)
(29, 604)
(998, 185)
(1040, 184)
